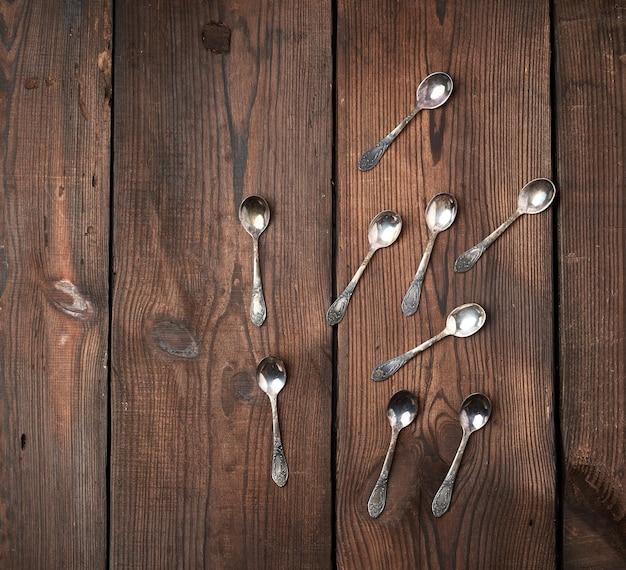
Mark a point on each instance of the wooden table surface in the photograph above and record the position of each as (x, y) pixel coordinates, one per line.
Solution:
(132, 430)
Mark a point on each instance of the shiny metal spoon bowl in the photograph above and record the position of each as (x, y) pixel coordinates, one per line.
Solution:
(463, 321)
(475, 413)
(432, 92)
(383, 230)
(440, 214)
(254, 215)
(401, 412)
(272, 377)
(533, 198)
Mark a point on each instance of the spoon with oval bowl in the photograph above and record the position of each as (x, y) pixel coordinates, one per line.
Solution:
(254, 214)
(474, 414)
(440, 213)
(383, 230)
(463, 321)
(271, 377)
(432, 92)
(533, 198)
(401, 411)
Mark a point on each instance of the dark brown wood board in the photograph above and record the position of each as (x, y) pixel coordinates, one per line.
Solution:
(200, 123)
(492, 137)
(55, 87)
(590, 89)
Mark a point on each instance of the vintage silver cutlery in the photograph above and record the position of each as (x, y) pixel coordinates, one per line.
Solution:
(474, 414)
(383, 230)
(432, 92)
(463, 321)
(401, 411)
(254, 214)
(535, 197)
(271, 377)
(440, 213)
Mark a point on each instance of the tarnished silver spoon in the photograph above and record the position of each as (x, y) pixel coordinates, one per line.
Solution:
(401, 411)
(535, 197)
(463, 321)
(474, 414)
(271, 376)
(440, 213)
(383, 230)
(254, 214)
(432, 92)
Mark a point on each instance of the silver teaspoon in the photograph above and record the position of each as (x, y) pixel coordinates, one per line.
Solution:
(432, 92)
(383, 230)
(401, 411)
(271, 377)
(474, 414)
(254, 214)
(535, 197)
(440, 213)
(463, 321)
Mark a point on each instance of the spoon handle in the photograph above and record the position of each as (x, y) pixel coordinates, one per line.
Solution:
(467, 260)
(258, 312)
(412, 297)
(391, 366)
(279, 463)
(378, 498)
(337, 310)
(370, 158)
(441, 502)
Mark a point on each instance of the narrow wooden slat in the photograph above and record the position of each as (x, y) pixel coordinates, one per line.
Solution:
(215, 102)
(55, 88)
(590, 111)
(489, 140)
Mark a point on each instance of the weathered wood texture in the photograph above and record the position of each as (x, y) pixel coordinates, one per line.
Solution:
(195, 132)
(591, 152)
(489, 140)
(54, 229)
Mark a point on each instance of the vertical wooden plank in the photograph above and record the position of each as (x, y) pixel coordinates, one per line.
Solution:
(199, 124)
(55, 92)
(489, 140)
(591, 106)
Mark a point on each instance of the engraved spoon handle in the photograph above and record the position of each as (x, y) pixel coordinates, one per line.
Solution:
(258, 312)
(370, 158)
(467, 260)
(441, 502)
(337, 310)
(391, 366)
(378, 498)
(279, 463)
(412, 297)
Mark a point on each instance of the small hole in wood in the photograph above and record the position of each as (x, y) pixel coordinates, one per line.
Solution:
(23, 441)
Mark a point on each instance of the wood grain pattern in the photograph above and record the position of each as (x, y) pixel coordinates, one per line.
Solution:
(196, 130)
(591, 106)
(483, 146)
(54, 197)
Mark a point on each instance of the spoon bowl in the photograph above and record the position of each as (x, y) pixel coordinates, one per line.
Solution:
(401, 411)
(536, 196)
(440, 214)
(271, 376)
(474, 414)
(254, 215)
(433, 91)
(383, 230)
(465, 320)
